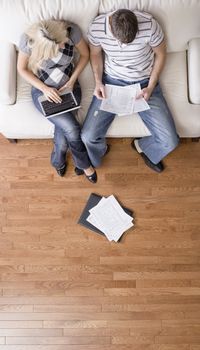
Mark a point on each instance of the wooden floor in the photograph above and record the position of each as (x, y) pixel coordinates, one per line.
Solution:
(63, 287)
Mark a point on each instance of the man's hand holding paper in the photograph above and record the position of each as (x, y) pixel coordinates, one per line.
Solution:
(123, 100)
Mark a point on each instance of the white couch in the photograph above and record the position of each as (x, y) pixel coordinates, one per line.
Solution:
(180, 80)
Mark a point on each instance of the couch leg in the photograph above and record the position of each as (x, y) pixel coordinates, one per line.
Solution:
(195, 139)
(12, 140)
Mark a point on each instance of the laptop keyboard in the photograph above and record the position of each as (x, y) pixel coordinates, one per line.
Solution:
(53, 108)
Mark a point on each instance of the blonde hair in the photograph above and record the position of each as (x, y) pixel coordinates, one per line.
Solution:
(44, 39)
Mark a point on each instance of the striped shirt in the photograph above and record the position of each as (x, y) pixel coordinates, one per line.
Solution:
(132, 61)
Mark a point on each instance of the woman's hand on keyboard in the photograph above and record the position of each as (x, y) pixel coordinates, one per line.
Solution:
(51, 94)
(69, 86)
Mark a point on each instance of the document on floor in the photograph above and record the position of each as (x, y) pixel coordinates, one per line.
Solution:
(123, 100)
(109, 217)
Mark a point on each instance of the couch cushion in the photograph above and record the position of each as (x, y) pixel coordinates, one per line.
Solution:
(8, 73)
(23, 121)
(175, 88)
(17, 15)
(194, 70)
(179, 18)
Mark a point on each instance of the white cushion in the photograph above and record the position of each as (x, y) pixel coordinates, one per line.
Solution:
(7, 73)
(179, 18)
(22, 118)
(23, 121)
(194, 70)
(175, 88)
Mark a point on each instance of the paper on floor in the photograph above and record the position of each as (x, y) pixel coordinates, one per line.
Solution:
(109, 217)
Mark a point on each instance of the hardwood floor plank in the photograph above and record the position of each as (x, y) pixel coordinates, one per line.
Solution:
(139, 339)
(177, 339)
(58, 340)
(40, 332)
(89, 347)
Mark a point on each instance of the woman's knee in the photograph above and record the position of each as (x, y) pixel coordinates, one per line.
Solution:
(71, 131)
(73, 134)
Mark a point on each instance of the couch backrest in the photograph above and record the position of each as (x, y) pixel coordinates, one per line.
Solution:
(17, 15)
(180, 19)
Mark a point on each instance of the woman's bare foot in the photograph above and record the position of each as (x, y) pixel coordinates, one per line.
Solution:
(89, 171)
(91, 174)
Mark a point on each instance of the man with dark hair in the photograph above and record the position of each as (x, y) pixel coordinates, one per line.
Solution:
(128, 47)
(124, 25)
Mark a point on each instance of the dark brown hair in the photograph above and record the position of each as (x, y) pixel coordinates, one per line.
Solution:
(124, 25)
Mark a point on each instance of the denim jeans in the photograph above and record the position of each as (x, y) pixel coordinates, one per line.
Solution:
(158, 119)
(66, 135)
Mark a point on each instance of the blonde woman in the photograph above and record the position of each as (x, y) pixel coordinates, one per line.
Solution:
(46, 52)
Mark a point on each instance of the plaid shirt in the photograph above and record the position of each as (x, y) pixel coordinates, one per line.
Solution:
(56, 71)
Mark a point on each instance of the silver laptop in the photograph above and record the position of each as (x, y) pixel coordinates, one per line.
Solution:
(51, 109)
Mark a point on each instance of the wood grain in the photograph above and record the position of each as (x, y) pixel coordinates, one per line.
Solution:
(65, 287)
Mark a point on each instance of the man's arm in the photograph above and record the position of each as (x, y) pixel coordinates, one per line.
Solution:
(159, 61)
(97, 62)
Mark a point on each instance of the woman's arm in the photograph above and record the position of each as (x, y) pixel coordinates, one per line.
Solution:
(83, 60)
(22, 67)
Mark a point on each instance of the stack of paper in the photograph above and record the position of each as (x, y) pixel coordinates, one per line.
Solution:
(109, 217)
(123, 100)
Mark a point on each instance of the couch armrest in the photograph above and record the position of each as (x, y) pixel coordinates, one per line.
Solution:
(194, 70)
(8, 74)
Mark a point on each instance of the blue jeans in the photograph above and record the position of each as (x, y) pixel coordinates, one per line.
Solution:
(158, 119)
(66, 135)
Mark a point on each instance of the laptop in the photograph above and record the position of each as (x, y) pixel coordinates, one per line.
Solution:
(51, 109)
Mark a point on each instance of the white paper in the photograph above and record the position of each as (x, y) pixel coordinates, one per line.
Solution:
(118, 100)
(109, 217)
(108, 206)
(140, 103)
(94, 221)
(122, 99)
(111, 236)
